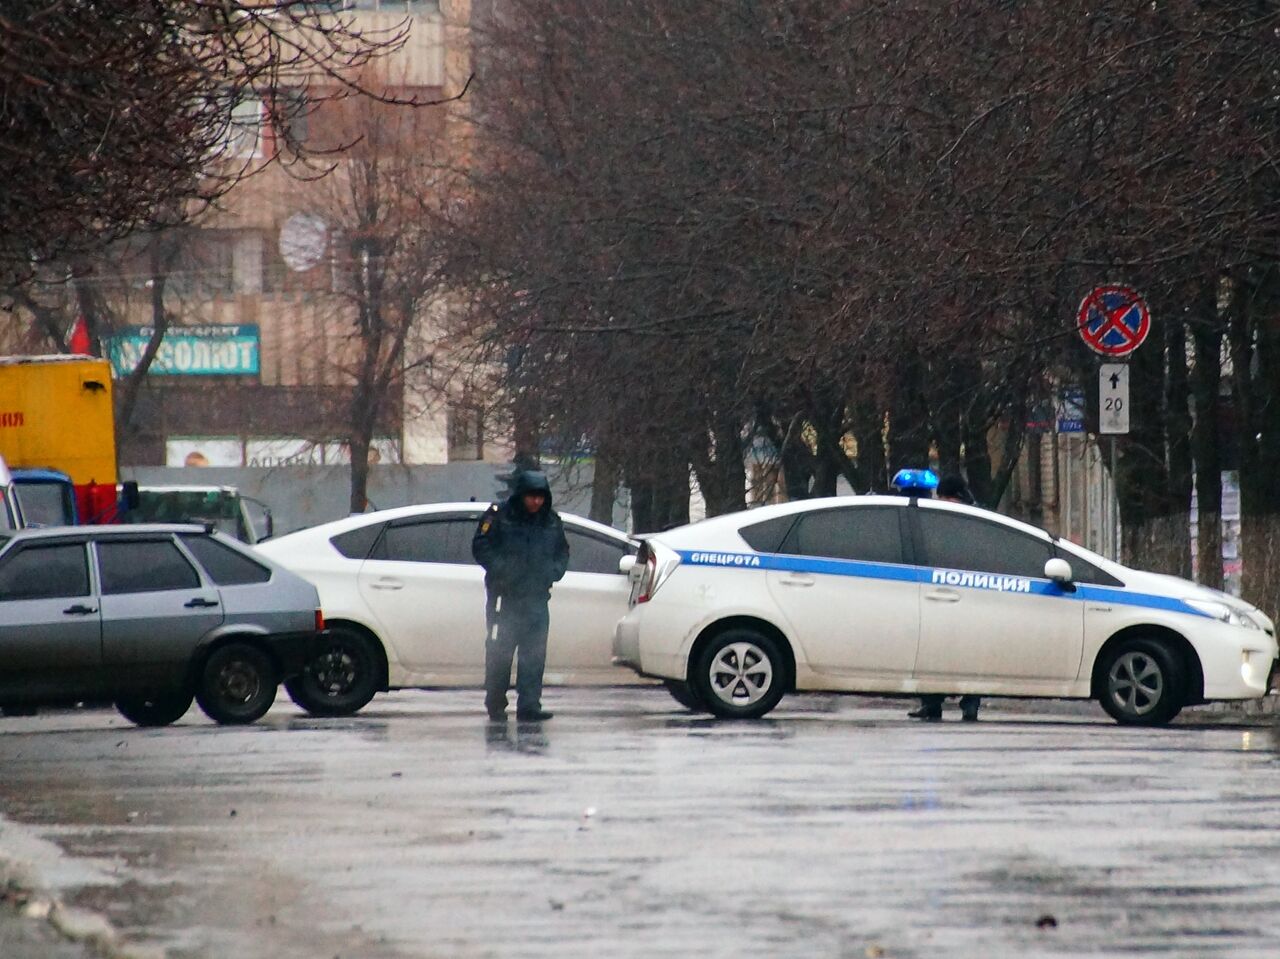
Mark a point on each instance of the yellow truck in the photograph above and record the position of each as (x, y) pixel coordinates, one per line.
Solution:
(57, 437)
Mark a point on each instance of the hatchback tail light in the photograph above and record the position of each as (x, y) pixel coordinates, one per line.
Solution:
(319, 620)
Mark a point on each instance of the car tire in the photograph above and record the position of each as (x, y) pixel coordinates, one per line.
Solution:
(340, 680)
(237, 684)
(1142, 683)
(739, 674)
(154, 710)
(683, 693)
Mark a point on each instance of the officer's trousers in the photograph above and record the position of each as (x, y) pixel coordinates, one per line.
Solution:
(515, 625)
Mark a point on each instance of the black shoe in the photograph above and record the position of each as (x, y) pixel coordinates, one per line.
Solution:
(969, 713)
(927, 714)
(497, 715)
(533, 715)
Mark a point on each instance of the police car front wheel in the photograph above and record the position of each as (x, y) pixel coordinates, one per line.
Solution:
(1143, 683)
(739, 674)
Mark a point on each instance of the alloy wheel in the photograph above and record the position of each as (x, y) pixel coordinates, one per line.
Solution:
(741, 674)
(1135, 683)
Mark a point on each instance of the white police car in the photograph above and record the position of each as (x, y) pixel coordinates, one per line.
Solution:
(884, 594)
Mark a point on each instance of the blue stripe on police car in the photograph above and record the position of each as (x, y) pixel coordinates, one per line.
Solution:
(962, 579)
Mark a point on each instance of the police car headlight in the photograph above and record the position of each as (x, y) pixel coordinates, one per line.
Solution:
(1221, 612)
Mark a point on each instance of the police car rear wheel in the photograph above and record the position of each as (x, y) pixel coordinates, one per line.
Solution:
(740, 674)
(1143, 683)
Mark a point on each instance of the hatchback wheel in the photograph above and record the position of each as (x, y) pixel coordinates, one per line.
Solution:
(154, 710)
(1143, 683)
(740, 674)
(237, 685)
(341, 679)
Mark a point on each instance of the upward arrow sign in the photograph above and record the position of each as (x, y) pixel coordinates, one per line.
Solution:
(1113, 398)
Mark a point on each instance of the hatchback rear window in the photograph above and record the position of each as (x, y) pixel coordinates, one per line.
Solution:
(144, 566)
(225, 565)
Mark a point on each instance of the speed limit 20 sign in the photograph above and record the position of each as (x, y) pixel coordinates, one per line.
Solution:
(1113, 398)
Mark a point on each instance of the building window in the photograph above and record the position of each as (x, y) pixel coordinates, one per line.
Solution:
(243, 137)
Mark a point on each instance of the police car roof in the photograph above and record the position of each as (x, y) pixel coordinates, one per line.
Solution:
(721, 531)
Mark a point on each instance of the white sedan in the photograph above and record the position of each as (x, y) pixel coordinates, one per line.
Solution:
(404, 602)
(883, 594)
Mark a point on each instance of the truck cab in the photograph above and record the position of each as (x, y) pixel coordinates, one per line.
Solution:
(224, 507)
(47, 497)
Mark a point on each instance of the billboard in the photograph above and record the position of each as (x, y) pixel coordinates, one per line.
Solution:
(208, 350)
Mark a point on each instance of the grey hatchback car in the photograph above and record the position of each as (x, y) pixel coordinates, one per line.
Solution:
(149, 618)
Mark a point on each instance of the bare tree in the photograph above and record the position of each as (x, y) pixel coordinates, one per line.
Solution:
(118, 113)
(382, 202)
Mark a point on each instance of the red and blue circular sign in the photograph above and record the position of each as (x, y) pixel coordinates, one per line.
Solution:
(1113, 320)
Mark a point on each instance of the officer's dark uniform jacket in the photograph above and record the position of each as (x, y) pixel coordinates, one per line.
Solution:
(522, 554)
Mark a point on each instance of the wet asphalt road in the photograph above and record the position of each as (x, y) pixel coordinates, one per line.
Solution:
(628, 827)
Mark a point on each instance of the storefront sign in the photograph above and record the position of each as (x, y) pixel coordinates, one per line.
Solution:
(212, 350)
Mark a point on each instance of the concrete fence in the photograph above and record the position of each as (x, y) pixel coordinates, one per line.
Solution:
(301, 496)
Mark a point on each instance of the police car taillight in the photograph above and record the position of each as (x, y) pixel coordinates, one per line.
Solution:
(649, 577)
(659, 563)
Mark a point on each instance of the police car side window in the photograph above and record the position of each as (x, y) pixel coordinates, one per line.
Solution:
(434, 541)
(870, 534)
(587, 554)
(953, 541)
(1085, 572)
(767, 537)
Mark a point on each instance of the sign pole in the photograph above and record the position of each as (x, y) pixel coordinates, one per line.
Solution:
(1115, 504)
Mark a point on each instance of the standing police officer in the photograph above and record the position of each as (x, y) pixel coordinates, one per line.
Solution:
(952, 489)
(522, 547)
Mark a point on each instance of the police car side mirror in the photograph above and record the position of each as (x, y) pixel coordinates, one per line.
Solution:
(1058, 570)
(626, 564)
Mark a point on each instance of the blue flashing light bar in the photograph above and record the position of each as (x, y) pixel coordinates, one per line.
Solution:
(915, 481)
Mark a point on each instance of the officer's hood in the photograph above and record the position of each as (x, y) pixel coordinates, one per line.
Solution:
(532, 481)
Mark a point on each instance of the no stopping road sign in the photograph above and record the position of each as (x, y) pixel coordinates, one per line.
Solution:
(1113, 320)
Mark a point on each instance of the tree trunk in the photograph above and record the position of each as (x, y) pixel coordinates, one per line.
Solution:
(660, 497)
(797, 462)
(162, 256)
(1206, 449)
(1255, 354)
(908, 423)
(869, 431)
(722, 470)
(604, 488)
(1177, 431)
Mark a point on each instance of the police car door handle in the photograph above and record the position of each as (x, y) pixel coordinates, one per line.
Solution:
(797, 579)
(943, 596)
(387, 583)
